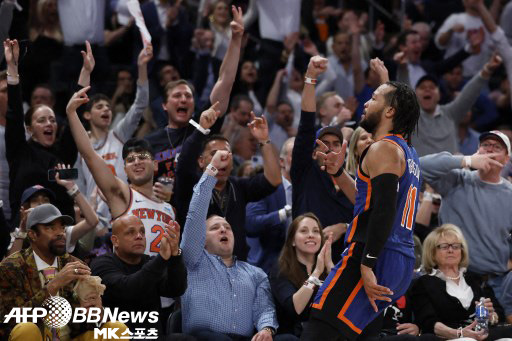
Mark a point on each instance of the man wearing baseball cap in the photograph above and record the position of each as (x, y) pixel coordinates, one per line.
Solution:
(477, 199)
(437, 126)
(30, 276)
(313, 189)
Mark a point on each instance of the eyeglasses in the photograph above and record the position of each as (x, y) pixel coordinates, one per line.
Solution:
(496, 147)
(140, 156)
(446, 246)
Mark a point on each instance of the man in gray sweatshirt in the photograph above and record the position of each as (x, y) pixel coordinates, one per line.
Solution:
(479, 202)
(437, 127)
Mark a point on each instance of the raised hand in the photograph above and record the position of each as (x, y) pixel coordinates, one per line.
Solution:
(209, 116)
(67, 184)
(12, 54)
(237, 24)
(88, 58)
(378, 66)
(77, 100)
(493, 63)
(145, 55)
(221, 159)
(373, 290)
(331, 161)
(317, 65)
(23, 218)
(320, 263)
(258, 127)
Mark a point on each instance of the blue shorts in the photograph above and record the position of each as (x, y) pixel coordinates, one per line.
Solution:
(342, 301)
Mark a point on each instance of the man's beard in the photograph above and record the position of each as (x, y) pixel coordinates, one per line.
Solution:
(56, 250)
(371, 122)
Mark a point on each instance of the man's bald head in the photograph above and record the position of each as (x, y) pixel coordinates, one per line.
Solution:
(129, 238)
(123, 222)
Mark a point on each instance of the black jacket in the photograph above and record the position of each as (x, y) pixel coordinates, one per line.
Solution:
(29, 161)
(431, 303)
(138, 288)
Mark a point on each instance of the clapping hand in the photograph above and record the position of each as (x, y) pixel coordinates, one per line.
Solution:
(169, 245)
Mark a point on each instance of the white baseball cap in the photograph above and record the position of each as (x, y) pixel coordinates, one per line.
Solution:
(498, 134)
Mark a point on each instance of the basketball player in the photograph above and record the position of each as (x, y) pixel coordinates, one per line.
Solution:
(377, 265)
(139, 197)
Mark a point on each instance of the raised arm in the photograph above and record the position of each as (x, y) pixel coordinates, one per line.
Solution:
(227, 73)
(14, 128)
(90, 218)
(127, 126)
(462, 103)
(194, 233)
(271, 168)
(85, 73)
(116, 192)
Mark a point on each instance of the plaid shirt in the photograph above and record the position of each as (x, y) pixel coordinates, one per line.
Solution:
(232, 300)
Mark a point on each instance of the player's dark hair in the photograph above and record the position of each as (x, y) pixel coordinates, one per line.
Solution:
(137, 146)
(407, 109)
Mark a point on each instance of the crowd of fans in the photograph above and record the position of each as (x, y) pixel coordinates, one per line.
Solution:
(219, 223)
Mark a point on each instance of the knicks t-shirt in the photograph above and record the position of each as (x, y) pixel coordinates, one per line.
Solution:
(154, 215)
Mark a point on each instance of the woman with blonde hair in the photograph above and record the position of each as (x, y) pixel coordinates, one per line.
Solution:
(359, 141)
(305, 260)
(444, 299)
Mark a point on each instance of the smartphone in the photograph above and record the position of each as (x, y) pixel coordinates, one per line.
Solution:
(64, 174)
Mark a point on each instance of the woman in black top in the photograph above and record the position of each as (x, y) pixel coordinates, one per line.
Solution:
(29, 160)
(443, 300)
(305, 258)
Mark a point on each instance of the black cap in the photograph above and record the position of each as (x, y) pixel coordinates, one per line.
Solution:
(332, 130)
(427, 77)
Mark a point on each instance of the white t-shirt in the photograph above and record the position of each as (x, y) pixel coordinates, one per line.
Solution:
(474, 63)
(154, 216)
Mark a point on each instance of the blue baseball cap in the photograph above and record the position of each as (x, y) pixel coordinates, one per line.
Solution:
(29, 192)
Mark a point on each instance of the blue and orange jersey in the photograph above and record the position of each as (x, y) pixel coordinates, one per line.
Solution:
(401, 237)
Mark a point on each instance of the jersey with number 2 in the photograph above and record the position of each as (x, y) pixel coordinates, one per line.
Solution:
(401, 237)
(154, 215)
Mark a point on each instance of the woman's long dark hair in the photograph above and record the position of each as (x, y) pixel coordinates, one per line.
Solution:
(289, 265)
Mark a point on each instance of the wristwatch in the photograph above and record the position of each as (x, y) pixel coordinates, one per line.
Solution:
(212, 169)
(270, 329)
